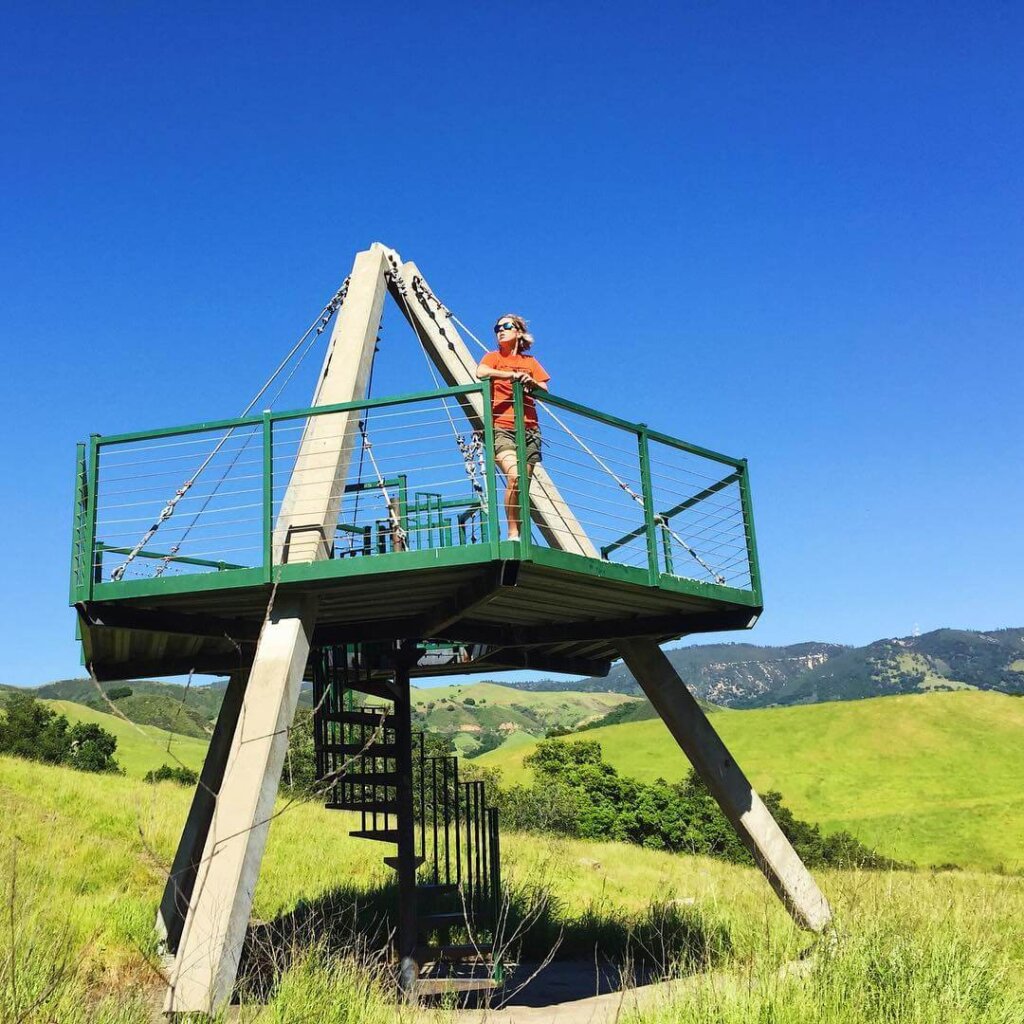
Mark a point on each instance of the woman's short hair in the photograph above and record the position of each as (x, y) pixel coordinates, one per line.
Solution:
(526, 338)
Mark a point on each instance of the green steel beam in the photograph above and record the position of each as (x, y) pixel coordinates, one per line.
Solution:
(653, 563)
(675, 510)
(268, 498)
(160, 555)
(213, 426)
(92, 479)
(748, 519)
(76, 522)
(525, 521)
(490, 469)
(693, 449)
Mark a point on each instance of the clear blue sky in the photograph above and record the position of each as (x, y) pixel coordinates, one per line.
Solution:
(791, 232)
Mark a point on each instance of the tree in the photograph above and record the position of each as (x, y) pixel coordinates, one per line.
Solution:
(34, 731)
(91, 749)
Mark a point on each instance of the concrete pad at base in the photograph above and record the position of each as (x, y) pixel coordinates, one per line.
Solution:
(211, 944)
(753, 822)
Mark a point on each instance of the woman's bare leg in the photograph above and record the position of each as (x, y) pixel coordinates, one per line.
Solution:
(509, 466)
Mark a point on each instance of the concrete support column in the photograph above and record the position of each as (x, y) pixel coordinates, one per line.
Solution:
(204, 971)
(753, 822)
(181, 880)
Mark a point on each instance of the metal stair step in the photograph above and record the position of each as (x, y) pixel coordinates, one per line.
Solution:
(373, 719)
(387, 807)
(443, 920)
(381, 835)
(370, 779)
(442, 986)
(436, 889)
(367, 749)
(392, 862)
(453, 952)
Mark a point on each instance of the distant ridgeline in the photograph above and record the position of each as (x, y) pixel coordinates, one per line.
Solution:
(748, 676)
(731, 675)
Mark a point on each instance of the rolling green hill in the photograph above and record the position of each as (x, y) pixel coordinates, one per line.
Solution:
(203, 701)
(140, 748)
(475, 716)
(472, 713)
(932, 778)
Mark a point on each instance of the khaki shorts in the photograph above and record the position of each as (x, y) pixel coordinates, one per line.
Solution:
(505, 441)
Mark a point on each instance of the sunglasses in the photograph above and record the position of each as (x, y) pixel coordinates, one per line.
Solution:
(505, 325)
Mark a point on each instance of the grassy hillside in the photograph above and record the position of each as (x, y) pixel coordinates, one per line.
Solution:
(933, 778)
(203, 700)
(468, 713)
(140, 748)
(747, 675)
(90, 855)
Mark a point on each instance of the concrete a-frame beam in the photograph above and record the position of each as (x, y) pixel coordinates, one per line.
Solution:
(305, 527)
(448, 352)
(203, 976)
(206, 962)
(753, 822)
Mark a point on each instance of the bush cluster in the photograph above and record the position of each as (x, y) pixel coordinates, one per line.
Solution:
(178, 773)
(577, 793)
(34, 731)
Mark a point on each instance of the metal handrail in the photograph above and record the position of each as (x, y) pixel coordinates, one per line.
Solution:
(654, 527)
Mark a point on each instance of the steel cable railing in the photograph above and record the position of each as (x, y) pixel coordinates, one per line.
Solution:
(387, 476)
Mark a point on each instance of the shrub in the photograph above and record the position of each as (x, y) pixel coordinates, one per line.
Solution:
(577, 793)
(119, 692)
(36, 732)
(180, 774)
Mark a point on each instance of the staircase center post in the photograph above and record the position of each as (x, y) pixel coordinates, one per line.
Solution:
(407, 924)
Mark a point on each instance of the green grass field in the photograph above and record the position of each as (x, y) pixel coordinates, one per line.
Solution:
(140, 748)
(82, 859)
(933, 778)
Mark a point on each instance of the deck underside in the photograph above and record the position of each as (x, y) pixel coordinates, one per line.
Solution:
(505, 614)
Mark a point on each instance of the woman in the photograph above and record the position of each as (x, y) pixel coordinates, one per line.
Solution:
(505, 366)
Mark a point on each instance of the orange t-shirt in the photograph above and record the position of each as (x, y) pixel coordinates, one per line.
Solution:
(501, 390)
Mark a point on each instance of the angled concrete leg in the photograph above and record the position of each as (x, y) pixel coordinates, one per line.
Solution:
(181, 880)
(742, 806)
(204, 970)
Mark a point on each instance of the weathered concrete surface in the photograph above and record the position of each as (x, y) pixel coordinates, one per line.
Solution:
(304, 531)
(189, 855)
(753, 822)
(204, 970)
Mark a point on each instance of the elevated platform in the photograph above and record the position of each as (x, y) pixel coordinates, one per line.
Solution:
(659, 532)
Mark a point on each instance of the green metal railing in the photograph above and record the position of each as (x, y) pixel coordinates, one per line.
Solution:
(628, 502)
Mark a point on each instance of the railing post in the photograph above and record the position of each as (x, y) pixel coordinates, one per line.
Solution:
(92, 503)
(748, 524)
(524, 481)
(76, 522)
(268, 497)
(650, 526)
(493, 523)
